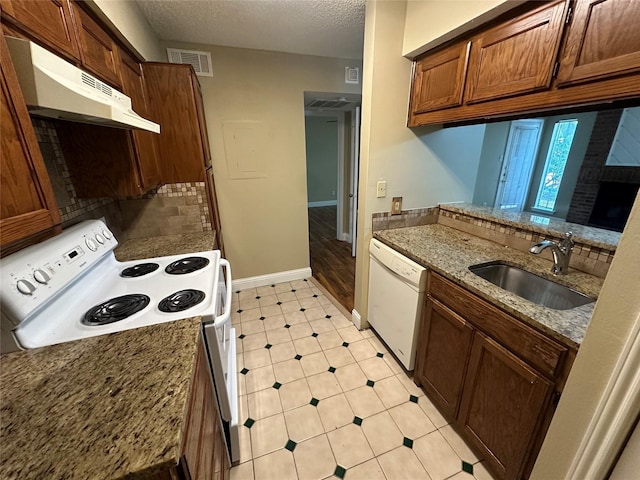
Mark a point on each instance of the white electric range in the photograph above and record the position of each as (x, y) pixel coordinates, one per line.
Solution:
(71, 287)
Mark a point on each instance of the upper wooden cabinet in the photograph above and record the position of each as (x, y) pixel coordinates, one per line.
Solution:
(133, 85)
(98, 50)
(174, 95)
(48, 21)
(439, 79)
(556, 56)
(27, 201)
(516, 57)
(603, 41)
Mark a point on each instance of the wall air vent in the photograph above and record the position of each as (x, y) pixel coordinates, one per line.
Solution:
(351, 75)
(334, 104)
(200, 61)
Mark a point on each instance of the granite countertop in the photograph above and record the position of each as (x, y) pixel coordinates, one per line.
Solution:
(106, 407)
(450, 252)
(138, 248)
(597, 237)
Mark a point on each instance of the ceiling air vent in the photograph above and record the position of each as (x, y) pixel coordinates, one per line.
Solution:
(200, 61)
(321, 103)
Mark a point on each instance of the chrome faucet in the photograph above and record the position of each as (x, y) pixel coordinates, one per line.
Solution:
(561, 252)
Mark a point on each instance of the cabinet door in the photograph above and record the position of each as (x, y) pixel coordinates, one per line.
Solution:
(502, 404)
(438, 81)
(172, 98)
(444, 345)
(516, 57)
(27, 201)
(97, 49)
(603, 41)
(144, 142)
(48, 21)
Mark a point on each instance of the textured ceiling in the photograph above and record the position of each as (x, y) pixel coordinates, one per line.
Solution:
(329, 28)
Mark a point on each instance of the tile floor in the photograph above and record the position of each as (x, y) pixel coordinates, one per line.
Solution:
(320, 399)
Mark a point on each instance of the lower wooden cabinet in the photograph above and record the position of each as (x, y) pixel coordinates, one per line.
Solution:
(503, 400)
(204, 452)
(445, 341)
(494, 377)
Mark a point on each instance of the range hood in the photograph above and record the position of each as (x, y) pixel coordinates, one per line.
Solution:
(54, 88)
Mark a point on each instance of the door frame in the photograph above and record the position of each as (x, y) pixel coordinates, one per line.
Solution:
(340, 188)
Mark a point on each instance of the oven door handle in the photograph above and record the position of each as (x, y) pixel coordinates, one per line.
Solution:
(220, 320)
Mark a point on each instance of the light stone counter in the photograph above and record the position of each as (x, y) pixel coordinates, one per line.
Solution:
(105, 407)
(450, 252)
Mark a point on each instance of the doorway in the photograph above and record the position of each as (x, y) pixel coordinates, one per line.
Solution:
(517, 165)
(332, 135)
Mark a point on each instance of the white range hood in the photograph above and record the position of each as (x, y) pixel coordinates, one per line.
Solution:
(54, 88)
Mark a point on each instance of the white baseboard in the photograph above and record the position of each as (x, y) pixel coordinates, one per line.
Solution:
(271, 278)
(358, 321)
(323, 203)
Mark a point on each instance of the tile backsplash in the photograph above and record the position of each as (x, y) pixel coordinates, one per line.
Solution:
(167, 210)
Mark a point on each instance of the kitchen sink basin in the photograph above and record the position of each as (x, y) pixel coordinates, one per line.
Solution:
(528, 285)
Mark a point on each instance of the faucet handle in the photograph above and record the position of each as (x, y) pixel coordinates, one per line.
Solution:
(568, 235)
(567, 243)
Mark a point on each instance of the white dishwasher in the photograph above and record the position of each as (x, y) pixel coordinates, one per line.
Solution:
(396, 295)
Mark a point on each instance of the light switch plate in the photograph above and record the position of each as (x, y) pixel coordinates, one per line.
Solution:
(396, 206)
(381, 189)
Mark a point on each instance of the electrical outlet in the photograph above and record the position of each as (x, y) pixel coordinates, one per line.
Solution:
(396, 206)
(381, 189)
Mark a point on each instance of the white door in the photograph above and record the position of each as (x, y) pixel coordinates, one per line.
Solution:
(517, 165)
(355, 168)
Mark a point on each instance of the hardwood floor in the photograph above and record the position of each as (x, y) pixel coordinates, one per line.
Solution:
(331, 261)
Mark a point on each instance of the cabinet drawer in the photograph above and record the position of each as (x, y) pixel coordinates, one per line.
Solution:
(526, 342)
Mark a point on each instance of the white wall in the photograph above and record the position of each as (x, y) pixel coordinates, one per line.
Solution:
(127, 17)
(425, 166)
(432, 22)
(264, 218)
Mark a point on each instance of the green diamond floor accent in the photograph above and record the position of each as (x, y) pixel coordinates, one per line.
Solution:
(345, 344)
(262, 318)
(467, 467)
(287, 326)
(314, 401)
(340, 472)
(241, 336)
(268, 346)
(298, 357)
(293, 290)
(249, 422)
(237, 291)
(315, 296)
(302, 309)
(370, 383)
(314, 334)
(357, 421)
(379, 355)
(257, 297)
(278, 303)
(407, 442)
(291, 445)
(327, 316)
(332, 369)
(244, 371)
(277, 385)
(239, 311)
(413, 398)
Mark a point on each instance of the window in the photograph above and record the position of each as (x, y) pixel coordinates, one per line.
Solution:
(557, 155)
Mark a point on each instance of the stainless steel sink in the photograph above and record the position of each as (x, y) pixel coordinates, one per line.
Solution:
(530, 286)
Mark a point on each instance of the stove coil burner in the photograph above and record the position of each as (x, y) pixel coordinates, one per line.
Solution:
(186, 265)
(115, 309)
(182, 300)
(139, 270)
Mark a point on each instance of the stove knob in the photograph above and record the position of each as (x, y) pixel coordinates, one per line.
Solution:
(107, 234)
(91, 244)
(25, 287)
(41, 276)
(100, 239)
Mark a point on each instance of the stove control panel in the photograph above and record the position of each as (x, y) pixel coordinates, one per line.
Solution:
(30, 277)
